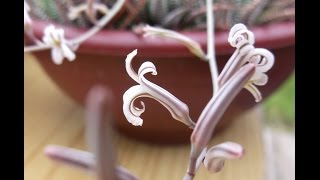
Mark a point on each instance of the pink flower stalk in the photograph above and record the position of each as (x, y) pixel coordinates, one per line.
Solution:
(216, 107)
(213, 111)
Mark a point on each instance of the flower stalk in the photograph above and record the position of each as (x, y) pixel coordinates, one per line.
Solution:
(211, 48)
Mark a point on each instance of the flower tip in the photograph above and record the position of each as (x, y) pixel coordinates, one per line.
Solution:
(131, 55)
(50, 151)
(237, 150)
(134, 52)
(241, 153)
(137, 123)
(216, 156)
(238, 33)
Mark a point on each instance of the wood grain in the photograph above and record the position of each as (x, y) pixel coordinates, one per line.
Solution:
(53, 118)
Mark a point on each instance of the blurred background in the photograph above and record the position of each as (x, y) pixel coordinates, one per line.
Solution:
(278, 132)
(280, 108)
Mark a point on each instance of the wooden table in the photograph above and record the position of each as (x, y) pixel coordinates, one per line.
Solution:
(53, 118)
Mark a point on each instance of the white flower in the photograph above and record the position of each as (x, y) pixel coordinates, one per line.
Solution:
(146, 88)
(55, 38)
(27, 19)
(243, 39)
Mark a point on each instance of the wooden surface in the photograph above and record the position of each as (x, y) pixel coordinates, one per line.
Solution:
(53, 118)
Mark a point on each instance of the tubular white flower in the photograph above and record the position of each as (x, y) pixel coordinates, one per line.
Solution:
(216, 155)
(59, 45)
(177, 109)
(242, 39)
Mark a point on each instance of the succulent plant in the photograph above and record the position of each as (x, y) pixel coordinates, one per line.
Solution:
(170, 14)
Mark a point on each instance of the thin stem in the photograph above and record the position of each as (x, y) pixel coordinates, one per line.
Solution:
(195, 152)
(195, 160)
(210, 48)
(100, 24)
(36, 48)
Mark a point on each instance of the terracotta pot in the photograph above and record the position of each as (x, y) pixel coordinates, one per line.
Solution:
(100, 60)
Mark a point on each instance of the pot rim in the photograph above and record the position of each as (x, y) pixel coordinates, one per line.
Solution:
(111, 42)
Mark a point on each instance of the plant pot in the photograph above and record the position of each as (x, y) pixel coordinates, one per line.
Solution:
(101, 60)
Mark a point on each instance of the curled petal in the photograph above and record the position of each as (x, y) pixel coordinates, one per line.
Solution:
(216, 155)
(129, 68)
(177, 109)
(263, 59)
(240, 35)
(254, 91)
(234, 29)
(259, 79)
(131, 112)
(147, 67)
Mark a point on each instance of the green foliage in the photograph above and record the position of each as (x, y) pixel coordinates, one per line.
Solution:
(280, 107)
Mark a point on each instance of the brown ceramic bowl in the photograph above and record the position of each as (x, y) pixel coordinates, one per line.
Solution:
(100, 60)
